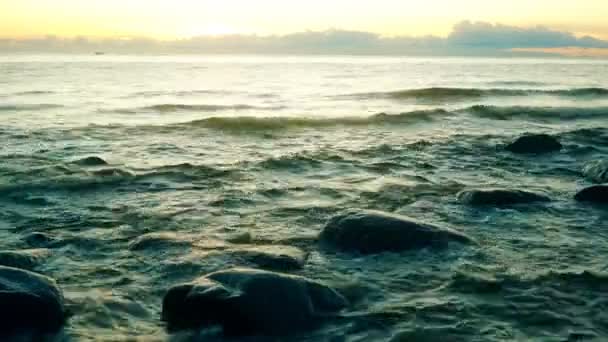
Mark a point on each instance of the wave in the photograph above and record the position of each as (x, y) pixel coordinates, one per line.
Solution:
(178, 93)
(171, 108)
(28, 107)
(465, 282)
(437, 94)
(518, 83)
(536, 113)
(69, 178)
(34, 92)
(251, 123)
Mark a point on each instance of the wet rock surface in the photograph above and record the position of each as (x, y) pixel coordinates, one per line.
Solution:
(248, 301)
(594, 194)
(368, 231)
(30, 302)
(534, 144)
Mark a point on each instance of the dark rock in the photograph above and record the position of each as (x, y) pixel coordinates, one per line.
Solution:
(38, 239)
(277, 258)
(597, 171)
(29, 302)
(368, 231)
(535, 144)
(240, 238)
(91, 161)
(500, 197)
(247, 301)
(597, 194)
(26, 259)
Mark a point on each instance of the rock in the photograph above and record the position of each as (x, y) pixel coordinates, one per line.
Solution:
(28, 259)
(29, 301)
(276, 258)
(597, 171)
(368, 231)
(38, 239)
(597, 194)
(159, 241)
(500, 197)
(240, 238)
(247, 301)
(534, 144)
(91, 161)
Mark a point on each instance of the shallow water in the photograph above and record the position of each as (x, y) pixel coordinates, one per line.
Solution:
(212, 147)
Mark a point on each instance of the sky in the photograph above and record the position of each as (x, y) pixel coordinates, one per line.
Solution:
(388, 27)
(173, 19)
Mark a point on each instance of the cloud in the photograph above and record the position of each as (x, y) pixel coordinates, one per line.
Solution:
(466, 39)
(481, 34)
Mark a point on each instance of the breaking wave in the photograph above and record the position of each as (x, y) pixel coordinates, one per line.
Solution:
(173, 108)
(453, 94)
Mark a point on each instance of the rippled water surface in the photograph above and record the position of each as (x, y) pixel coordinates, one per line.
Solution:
(99, 150)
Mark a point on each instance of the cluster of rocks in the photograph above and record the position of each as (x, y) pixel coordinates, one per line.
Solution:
(535, 144)
(262, 298)
(253, 301)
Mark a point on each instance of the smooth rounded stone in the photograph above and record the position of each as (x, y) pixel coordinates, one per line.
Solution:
(28, 259)
(597, 171)
(276, 258)
(38, 239)
(369, 231)
(596, 194)
(534, 144)
(159, 241)
(91, 161)
(500, 197)
(29, 301)
(248, 301)
(240, 238)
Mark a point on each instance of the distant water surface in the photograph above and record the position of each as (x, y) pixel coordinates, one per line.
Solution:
(212, 147)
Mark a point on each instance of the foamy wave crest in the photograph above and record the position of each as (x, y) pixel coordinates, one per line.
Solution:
(274, 123)
(455, 94)
(537, 113)
(172, 108)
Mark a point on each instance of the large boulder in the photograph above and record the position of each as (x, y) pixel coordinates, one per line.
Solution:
(369, 231)
(500, 197)
(29, 302)
(596, 194)
(534, 144)
(247, 301)
(597, 171)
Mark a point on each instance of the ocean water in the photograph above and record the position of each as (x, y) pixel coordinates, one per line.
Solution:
(97, 151)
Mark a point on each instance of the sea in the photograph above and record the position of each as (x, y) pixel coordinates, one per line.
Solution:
(99, 150)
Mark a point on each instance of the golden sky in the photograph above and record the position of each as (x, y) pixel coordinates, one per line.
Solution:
(169, 19)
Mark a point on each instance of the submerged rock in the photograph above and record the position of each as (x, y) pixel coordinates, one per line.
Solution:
(277, 258)
(597, 194)
(29, 301)
(534, 144)
(159, 241)
(91, 161)
(368, 231)
(248, 301)
(28, 259)
(38, 239)
(597, 171)
(500, 197)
